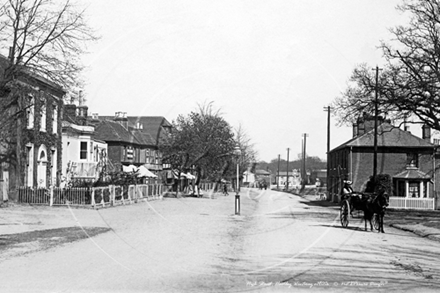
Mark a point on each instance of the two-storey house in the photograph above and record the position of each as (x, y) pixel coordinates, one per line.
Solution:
(84, 155)
(408, 159)
(37, 126)
(132, 140)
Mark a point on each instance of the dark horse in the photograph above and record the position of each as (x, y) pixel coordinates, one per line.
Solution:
(375, 205)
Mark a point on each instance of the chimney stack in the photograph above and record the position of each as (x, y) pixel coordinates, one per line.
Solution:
(355, 130)
(426, 133)
(121, 118)
(70, 111)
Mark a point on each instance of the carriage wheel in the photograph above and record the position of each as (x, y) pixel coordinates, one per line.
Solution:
(375, 221)
(344, 213)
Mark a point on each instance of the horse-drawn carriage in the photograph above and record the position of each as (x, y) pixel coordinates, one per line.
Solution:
(372, 205)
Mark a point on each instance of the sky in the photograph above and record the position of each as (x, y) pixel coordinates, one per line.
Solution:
(269, 66)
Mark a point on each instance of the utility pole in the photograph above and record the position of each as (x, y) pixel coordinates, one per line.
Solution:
(304, 173)
(278, 172)
(287, 182)
(328, 110)
(375, 125)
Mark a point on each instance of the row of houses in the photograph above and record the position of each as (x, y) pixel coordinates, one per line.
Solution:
(57, 142)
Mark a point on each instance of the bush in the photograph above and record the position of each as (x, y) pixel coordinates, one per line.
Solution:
(118, 193)
(106, 195)
(98, 196)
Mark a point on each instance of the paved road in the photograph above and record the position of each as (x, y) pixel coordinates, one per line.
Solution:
(279, 243)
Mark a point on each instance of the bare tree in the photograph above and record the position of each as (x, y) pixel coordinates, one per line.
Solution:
(409, 84)
(43, 41)
(45, 37)
(248, 153)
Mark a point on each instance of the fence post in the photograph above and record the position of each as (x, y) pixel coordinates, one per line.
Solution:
(112, 195)
(93, 197)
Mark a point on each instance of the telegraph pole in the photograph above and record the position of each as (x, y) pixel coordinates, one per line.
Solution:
(287, 183)
(278, 172)
(328, 109)
(304, 173)
(375, 125)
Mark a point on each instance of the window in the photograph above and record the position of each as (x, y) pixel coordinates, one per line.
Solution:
(96, 153)
(147, 156)
(129, 153)
(83, 151)
(30, 113)
(414, 189)
(55, 119)
(43, 115)
(412, 160)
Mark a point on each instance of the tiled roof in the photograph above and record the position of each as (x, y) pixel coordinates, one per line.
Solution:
(261, 172)
(387, 136)
(412, 173)
(284, 173)
(151, 130)
(112, 131)
(143, 137)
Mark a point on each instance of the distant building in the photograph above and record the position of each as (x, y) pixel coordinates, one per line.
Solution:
(293, 177)
(133, 140)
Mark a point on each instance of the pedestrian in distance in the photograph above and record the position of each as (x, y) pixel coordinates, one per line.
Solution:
(225, 189)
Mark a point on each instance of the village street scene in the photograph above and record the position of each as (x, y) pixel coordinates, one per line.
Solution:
(219, 147)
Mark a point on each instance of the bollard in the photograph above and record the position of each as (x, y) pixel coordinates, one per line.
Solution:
(237, 204)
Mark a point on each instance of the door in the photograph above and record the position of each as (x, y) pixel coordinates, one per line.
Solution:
(42, 167)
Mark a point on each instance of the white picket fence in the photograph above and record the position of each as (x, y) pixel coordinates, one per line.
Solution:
(95, 196)
(412, 203)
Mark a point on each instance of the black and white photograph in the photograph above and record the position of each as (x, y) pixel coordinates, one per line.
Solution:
(217, 146)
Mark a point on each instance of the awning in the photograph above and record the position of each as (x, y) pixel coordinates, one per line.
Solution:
(130, 168)
(144, 172)
(187, 176)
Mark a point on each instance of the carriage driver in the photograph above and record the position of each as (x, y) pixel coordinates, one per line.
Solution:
(347, 190)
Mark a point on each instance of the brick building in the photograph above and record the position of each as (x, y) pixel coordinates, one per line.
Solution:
(408, 159)
(132, 140)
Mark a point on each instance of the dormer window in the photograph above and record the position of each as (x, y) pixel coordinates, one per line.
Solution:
(412, 160)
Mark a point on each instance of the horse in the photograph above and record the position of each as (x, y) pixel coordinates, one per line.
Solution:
(377, 206)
